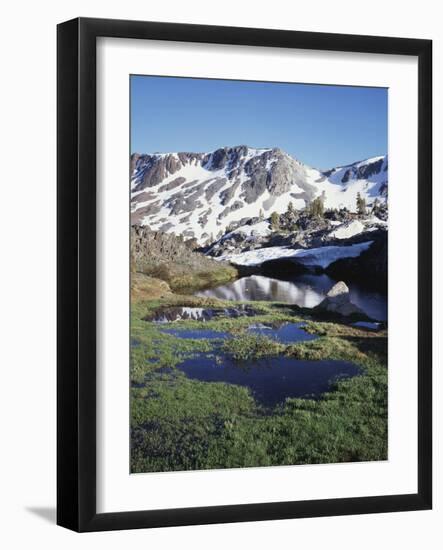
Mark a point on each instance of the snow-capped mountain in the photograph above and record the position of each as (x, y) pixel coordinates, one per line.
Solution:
(371, 175)
(200, 195)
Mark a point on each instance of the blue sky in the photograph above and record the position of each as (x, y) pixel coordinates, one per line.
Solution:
(323, 126)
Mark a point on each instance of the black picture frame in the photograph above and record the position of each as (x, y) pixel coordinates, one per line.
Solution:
(76, 281)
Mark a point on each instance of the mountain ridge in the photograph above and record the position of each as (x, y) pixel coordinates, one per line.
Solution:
(201, 195)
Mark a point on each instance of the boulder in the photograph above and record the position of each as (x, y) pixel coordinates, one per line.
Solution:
(370, 268)
(338, 289)
(338, 301)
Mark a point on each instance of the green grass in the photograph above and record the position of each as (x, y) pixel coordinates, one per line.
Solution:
(185, 278)
(181, 424)
(174, 420)
(205, 279)
(245, 347)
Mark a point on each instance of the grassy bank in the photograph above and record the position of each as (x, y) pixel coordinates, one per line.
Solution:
(181, 279)
(166, 257)
(178, 423)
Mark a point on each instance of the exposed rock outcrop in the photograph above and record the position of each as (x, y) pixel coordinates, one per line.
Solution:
(244, 182)
(338, 301)
(172, 259)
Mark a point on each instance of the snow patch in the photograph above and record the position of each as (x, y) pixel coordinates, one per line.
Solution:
(260, 229)
(347, 230)
(203, 222)
(321, 257)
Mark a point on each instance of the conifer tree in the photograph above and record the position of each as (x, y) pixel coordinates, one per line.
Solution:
(361, 205)
(317, 208)
(275, 221)
(375, 206)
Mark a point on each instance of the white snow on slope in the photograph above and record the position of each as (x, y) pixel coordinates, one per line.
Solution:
(373, 220)
(355, 227)
(322, 256)
(260, 229)
(195, 172)
(344, 193)
(208, 220)
(347, 230)
(337, 173)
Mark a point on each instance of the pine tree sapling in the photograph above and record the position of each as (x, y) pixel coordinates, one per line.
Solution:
(375, 206)
(316, 208)
(275, 221)
(361, 205)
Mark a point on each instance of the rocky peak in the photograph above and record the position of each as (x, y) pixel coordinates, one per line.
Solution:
(201, 195)
(372, 169)
(225, 156)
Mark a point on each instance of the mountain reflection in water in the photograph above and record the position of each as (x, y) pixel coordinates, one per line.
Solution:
(302, 290)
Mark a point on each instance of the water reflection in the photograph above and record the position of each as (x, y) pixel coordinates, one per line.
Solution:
(286, 333)
(197, 334)
(271, 379)
(303, 290)
(173, 313)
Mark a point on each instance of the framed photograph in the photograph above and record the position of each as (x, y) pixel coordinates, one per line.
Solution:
(244, 274)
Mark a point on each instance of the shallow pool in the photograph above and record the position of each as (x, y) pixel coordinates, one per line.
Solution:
(197, 334)
(287, 333)
(270, 379)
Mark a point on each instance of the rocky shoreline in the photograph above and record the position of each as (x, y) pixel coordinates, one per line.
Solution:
(256, 248)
